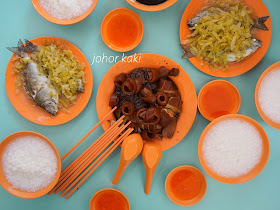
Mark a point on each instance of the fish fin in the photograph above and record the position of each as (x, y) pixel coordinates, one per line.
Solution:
(260, 23)
(187, 52)
(14, 50)
(30, 47)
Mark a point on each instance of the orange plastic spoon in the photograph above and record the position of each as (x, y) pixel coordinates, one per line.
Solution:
(151, 156)
(131, 148)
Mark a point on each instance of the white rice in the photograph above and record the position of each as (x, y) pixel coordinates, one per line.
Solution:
(232, 148)
(29, 164)
(66, 9)
(269, 95)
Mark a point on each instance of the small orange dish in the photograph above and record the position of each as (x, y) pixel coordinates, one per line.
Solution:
(218, 98)
(151, 8)
(185, 185)
(122, 30)
(16, 192)
(262, 114)
(251, 174)
(108, 199)
(36, 4)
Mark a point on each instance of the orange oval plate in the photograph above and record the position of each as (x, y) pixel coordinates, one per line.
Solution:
(255, 171)
(151, 8)
(238, 68)
(263, 116)
(28, 108)
(149, 60)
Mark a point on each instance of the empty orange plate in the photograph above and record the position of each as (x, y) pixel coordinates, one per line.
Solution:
(16, 192)
(28, 108)
(262, 114)
(255, 171)
(148, 60)
(151, 8)
(238, 68)
(47, 16)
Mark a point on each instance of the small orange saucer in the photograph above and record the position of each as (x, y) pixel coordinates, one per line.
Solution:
(106, 21)
(263, 116)
(151, 8)
(16, 192)
(197, 198)
(255, 171)
(218, 98)
(47, 16)
(96, 195)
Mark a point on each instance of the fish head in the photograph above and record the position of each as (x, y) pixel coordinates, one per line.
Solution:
(50, 106)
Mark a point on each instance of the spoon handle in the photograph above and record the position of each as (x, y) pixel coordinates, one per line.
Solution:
(149, 178)
(119, 172)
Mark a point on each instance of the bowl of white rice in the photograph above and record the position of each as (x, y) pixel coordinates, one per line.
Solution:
(233, 149)
(267, 97)
(64, 12)
(30, 165)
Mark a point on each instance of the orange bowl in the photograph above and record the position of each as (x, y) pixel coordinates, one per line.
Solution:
(151, 8)
(27, 107)
(237, 68)
(16, 192)
(255, 171)
(93, 199)
(105, 22)
(178, 201)
(47, 16)
(262, 114)
(209, 85)
(149, 60)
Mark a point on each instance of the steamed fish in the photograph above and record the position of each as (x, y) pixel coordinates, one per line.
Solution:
(37, 85)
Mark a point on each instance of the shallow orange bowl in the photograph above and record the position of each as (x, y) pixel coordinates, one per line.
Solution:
(178, 201)
(93, 199)
(28, 108)
(105, 22)
(238, 68)
(151, 8)
(149, 60)
(262, 114)
(16, 192)
(209, 85)
(47, 16)
(255, 171)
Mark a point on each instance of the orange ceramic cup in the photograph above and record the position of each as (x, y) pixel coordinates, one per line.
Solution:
(47, 16)
(16, 192)
(178, 201)
(262, 114)
(254, 172)
(94, 198)
(151, 8)
(104, 28)
(235, 93)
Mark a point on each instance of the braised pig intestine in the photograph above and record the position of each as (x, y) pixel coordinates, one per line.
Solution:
(150, 100)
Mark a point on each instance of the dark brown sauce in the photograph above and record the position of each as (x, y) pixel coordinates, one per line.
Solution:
(151, 2)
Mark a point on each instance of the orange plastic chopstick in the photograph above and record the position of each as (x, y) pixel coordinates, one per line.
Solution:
(76, 145)
(77, 163)
(113, 147)
(87, 161)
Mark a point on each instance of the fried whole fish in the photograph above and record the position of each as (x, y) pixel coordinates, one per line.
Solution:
(37, 85)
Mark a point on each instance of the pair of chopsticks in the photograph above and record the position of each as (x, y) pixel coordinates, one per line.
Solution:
(81, 168)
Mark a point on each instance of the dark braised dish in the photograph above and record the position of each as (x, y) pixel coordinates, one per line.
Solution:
(150, 100)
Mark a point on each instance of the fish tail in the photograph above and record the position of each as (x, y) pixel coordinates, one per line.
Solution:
(187, 51)
(29, 47)
(260, 23)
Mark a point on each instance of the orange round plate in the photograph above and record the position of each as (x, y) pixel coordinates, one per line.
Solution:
(47, 16)
(109, 16)
(28, 108)
(262, 114)
(178, 201)
(238, 68)
(151, 8)
(207, 86)
(254, 172)
(149, 60)
(16, 192)
(92, 201)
